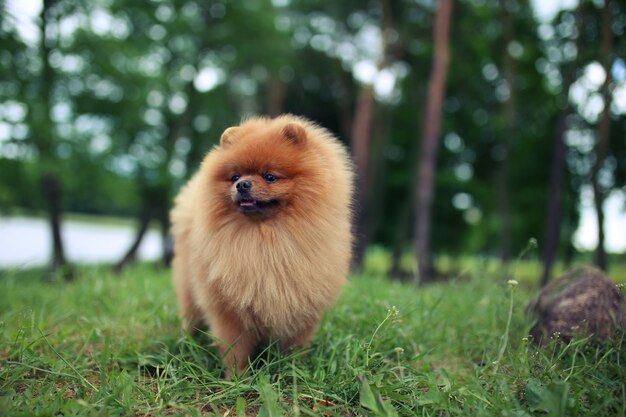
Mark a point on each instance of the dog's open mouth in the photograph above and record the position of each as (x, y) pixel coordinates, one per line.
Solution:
(255, 206)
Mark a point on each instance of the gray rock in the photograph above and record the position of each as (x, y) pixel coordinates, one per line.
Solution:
(583, 301)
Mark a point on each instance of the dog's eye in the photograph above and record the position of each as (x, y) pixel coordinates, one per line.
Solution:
(270, 177)
(234, 178)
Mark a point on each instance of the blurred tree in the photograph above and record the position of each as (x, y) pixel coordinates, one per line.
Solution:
(509, 128)
(431, 139)
(361, 144)
(554, 209)
(490, 96)
(604, 130)
(44, 138)
(206, 42)
(365, 140)
(16, 175)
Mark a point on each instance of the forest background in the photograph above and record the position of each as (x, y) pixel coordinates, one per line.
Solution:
(476, 126)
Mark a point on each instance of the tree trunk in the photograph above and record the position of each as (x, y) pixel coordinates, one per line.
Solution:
(400, 240)
(131, 254)
(166, 240)
(508, 132)
(361, 136)
(362, 145)
(604, 132)
(430, 141)
(51, 191)
(552, 228)
(43, 138)
(156, 198)
(275, 96)
(555, 192)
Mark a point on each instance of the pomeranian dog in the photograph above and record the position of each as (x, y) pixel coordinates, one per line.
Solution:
(262, 236)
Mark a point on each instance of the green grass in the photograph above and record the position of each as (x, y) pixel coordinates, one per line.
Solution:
(111, 345)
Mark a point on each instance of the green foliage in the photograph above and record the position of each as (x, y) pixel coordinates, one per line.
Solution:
(552, 398)
(371, 399)
(18, 183)
(111, 345)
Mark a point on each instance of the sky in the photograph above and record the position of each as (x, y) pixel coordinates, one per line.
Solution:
(547, 9)
(585, 237)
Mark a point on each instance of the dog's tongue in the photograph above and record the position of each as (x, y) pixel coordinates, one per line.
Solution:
(247, 203)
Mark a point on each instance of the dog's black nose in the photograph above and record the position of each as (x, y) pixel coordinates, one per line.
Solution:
(244, 185)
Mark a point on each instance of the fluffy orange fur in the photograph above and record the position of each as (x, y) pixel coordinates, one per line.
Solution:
(262, 236)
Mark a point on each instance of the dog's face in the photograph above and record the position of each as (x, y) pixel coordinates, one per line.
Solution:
(262, 166)
(260, 193)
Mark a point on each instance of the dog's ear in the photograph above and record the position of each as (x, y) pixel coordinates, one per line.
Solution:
(228, 136)
(294, 133)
